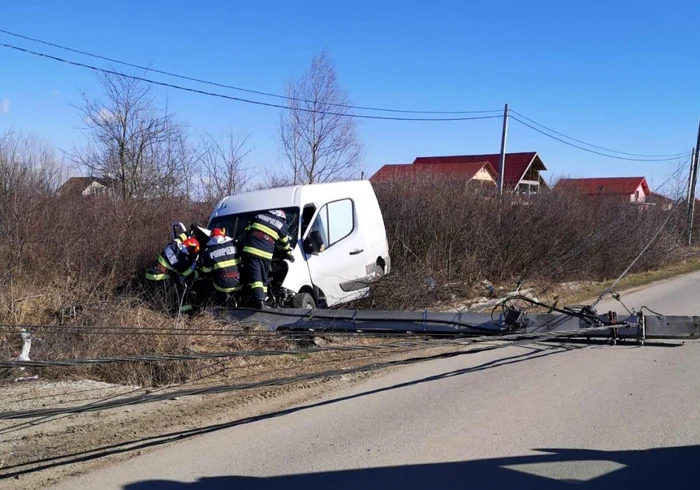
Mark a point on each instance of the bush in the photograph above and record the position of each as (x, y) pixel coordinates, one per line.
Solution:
(72, 260)
(459, 235)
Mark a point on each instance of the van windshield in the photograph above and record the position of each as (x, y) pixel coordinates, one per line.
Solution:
(235, 224)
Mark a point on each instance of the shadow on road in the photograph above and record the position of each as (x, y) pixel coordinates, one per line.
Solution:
(667, 468)
(536, 351)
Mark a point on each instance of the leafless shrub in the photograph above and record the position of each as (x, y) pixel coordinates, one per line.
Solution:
(457, 234)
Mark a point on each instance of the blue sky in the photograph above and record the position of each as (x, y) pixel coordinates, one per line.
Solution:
(620, 74)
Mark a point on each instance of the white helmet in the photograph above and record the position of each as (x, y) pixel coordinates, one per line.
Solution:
(279, 213)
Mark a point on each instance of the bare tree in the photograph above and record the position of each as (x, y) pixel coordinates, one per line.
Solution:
(132, 142)
(318, 138)
(273, 179)
(29, 175)
(221, 169)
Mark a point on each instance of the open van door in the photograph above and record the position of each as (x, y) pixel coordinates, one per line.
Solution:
(335, 252)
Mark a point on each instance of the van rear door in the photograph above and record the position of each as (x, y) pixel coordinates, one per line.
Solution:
(339, 269)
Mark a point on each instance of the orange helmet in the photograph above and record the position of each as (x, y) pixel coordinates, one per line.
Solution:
(192, 245)
(218, 232)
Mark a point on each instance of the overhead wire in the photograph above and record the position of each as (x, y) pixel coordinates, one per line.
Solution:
(244, 100)
(676, 157)
(519, 339)
(233, 87)
(211, 355)
(671, 177)
(43, 420)
(52, 417)
(54, 461)
(636, 259)
(672, 155)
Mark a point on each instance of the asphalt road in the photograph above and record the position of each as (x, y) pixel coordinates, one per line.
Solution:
(539, 417)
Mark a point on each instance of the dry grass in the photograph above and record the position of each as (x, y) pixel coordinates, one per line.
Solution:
(589, 290)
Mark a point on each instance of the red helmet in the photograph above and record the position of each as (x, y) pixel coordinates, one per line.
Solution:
(192, 245)
(279, 213)
(218, 232)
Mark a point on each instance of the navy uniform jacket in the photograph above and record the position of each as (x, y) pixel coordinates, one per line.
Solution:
(265, 232)
(173, 259)
(220, 261)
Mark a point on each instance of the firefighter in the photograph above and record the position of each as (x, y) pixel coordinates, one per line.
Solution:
(178, 261)
(219, 262)
(266, 233)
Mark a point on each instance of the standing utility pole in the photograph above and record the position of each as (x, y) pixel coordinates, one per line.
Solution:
(690, 176)
(502, 164)
(691, 194)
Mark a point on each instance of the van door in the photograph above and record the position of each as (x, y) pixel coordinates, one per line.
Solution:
(339, 267)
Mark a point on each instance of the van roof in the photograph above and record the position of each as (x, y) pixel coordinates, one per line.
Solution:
(283, 197)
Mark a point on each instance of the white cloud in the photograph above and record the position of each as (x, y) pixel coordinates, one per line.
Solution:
(55, 93)
(5, 106)
(106, 115)
(102, 116)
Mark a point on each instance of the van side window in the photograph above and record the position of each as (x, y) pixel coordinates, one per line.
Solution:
(341, 219)
(335, 221)
(306, 216)
(321, 224)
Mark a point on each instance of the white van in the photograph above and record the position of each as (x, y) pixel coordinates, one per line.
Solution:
(337, 233)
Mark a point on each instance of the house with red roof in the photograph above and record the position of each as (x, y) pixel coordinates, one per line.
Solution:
(481, 173)
(522, 170)
(660, 201)
(629, 189)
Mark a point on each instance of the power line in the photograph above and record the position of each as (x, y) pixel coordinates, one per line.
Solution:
(594, 151)
(240, 99)
(673, 175)
(218, 355)
(646, 247)
(51, 418)
(519, 339)
(675, 155)
(233, 87)
(280, 335)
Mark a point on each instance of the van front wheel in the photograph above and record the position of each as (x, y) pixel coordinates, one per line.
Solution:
(304, 301)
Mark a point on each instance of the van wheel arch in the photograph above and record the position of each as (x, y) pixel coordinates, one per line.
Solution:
(317, 294)
(309, 290)
(304, 300)
(381, 266)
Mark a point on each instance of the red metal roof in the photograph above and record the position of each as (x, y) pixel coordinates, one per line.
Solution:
(466, 171)
(605, 185)
(516, 163)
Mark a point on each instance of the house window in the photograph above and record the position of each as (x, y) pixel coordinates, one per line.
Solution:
(636, 195)
(335, 221)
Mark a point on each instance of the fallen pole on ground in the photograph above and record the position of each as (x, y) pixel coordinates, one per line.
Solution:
(633, 326)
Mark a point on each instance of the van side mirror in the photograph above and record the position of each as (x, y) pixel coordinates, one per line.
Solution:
(314, 243)
(178, 228)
